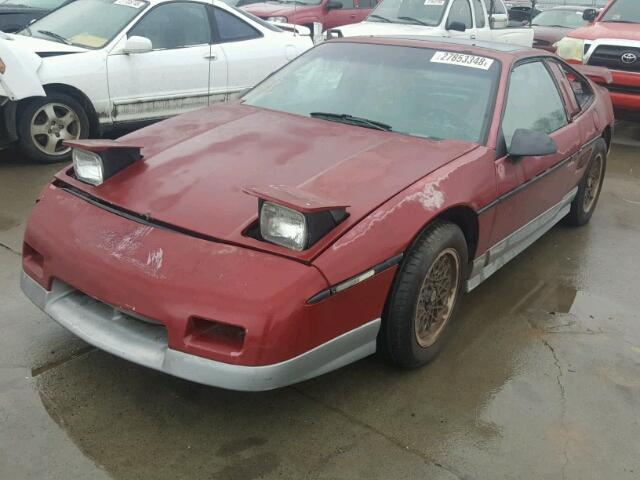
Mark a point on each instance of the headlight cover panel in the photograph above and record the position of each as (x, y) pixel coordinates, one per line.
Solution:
(296, 230)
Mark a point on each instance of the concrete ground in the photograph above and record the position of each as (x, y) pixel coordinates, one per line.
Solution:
(540, 381)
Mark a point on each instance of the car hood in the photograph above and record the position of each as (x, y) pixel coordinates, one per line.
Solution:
(39, 45)
(196, 166)
(379, 28)
(622, 31)
(274, 9)
(550, 34)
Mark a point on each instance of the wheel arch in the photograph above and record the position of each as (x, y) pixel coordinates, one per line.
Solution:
(77, 95)
(466, 218)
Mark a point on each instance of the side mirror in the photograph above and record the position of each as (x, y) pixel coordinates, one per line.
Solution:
(334, 5)
(456, 26)
(590, 15)
(531, 143)
(137, 45)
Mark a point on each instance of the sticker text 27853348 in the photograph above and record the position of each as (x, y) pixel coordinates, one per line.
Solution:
(462, 59)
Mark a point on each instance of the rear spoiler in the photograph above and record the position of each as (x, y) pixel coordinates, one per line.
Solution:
(294, 198)
(597, 74)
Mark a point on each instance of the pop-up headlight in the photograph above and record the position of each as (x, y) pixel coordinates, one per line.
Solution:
(88, 166)
(95, 161)
(293, 218)
(283, 226)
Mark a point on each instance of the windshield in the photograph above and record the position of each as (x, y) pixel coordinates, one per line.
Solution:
(560, 18)
(86, 23)
(623, 11)
(40, 4)
(414, 91)
(429, 12)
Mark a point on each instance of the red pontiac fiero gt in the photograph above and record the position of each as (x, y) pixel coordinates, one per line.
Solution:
(341, 206)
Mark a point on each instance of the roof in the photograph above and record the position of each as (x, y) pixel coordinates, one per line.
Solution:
(501, 51)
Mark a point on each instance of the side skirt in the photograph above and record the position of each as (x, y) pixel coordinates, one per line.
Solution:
(504, 251)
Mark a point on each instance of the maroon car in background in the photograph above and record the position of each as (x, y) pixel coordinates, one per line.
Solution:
(554, 24)
(330, 13)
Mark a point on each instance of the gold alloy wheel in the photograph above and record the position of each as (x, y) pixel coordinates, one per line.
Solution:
(52, 124)
(437, 297)
(594, 178)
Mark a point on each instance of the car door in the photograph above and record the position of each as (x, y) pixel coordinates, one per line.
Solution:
(249, 55)
(483, 32)
(460, 12)
(579, 97)
(337, 17)
(173, 77)
(530, 187)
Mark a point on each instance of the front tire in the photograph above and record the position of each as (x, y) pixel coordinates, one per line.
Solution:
(425, 296)
(44, 123)
(589, 189)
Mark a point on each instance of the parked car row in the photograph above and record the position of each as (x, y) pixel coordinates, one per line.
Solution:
(95, 65)
(469, 19)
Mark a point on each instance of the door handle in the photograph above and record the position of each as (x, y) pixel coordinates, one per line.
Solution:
(211, 56)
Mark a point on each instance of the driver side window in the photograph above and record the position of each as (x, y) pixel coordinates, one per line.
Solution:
(461, 12)
(533, 102)
(175, 25)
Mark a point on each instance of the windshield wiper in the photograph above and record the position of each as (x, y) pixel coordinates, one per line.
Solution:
(415, 20)
(384, 19)
(59, 38)
(351, 120)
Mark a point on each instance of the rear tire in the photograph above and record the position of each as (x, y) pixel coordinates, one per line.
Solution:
(589, 189)
(44, 123)
(425, 296)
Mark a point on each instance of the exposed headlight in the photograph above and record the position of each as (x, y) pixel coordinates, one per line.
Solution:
(88, 166)
(277, 19)
(95, 161)
(283, 226)
(571, 49)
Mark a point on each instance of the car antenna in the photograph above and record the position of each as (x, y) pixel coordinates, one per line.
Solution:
(533, 7)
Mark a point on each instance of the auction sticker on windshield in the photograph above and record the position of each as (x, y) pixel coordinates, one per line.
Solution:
(462, 59)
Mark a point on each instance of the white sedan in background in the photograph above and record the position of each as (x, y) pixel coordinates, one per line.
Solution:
(95, 65)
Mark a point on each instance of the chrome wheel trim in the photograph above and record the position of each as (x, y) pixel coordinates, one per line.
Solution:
(594, 178)
(51, 125)
(437, 297)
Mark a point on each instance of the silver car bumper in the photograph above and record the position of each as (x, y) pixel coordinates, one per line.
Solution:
(145, 343)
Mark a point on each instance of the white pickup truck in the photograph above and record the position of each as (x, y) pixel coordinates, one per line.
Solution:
(485, 20)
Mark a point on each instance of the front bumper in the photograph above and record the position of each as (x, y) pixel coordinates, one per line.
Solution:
(107, 277)
(145, 343)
